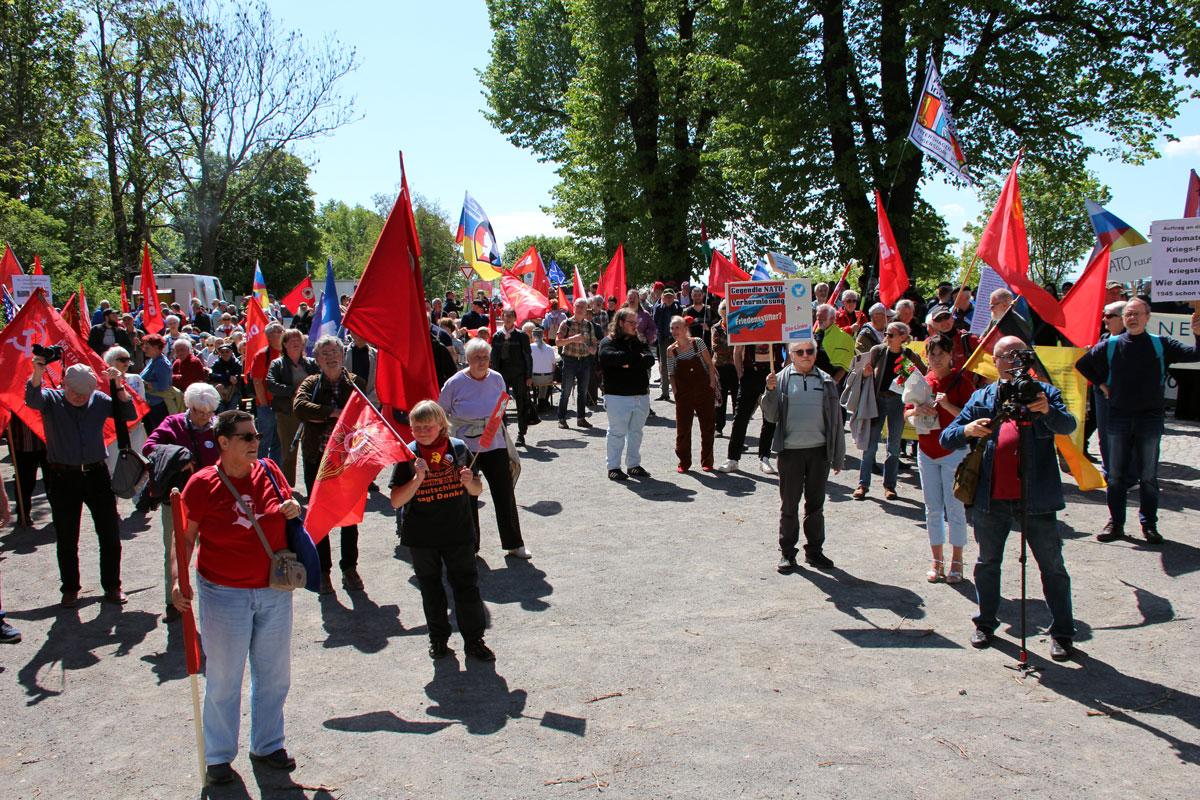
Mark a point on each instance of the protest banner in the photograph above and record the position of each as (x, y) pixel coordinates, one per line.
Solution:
(767, 312)
(1176, 267)
(1177, 326)
(1131, 263)
(23, 286)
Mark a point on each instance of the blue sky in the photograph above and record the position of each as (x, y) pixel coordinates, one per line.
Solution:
(416, 89)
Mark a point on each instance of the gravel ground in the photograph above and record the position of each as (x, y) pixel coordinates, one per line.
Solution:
(649, 650)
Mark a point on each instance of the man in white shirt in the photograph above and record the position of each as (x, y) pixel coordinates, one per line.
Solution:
(543, 365)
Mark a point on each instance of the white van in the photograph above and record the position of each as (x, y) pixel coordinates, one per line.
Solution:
(181, 287)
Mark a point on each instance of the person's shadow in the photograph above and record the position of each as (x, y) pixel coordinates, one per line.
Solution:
(520, 582)
(478, 696)
(170, 664)
(366, 626)
(849, 594)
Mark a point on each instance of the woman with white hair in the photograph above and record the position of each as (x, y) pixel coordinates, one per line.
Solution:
(120, 358)
(468, 398)
(187, 368)
(191, 433)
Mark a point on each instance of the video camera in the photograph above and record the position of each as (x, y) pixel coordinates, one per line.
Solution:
(49, 354)
(1021, 389)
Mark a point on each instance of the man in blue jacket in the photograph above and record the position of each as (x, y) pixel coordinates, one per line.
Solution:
(998, 497)
(1130, 370)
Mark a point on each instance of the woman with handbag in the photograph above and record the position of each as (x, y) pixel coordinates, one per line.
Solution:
(237, 511)
(694, 383)
(950, 389)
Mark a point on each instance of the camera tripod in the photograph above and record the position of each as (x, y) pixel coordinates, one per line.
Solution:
(1024, 426)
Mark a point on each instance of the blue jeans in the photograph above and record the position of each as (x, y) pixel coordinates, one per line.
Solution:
(626, 419)
(234, 624)
(575, 372)
(937, 484)
(991, 532)
(1133, 443)
(264, 421)
(891, 411)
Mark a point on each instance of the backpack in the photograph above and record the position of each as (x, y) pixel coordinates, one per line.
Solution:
(1156, 340)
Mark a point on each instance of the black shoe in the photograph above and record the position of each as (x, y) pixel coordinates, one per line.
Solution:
(520, 440)
(787, 565)
(562, 423)
(277, 760)
(171, 614)
(818, 560)
(439, 649)
(116, 597)
(1150, 533)
(1111, 533)
(1061, 649)
(9, 634)
(981, 639)
(534, 421)
(479, 651)
(220, 773)
(583, 423)
(617, 475)
(650, 413)
(638, 472)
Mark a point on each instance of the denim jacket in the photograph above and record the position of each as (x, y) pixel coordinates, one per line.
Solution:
(1045, 484)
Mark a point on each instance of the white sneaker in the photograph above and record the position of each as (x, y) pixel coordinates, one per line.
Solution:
(520, 552)
(767, 468)
(729, 466)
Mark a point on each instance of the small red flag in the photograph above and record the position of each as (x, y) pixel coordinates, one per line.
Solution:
(841, 285)
(70, 311)
(1083, 306)
(612, 281)
(124, 298)
(85, 314)
(302, 293)
(733, 250)
(579, 290)
(256, 333)
(493, 424)
(9, 266)
(191, 639)
(37, 264)
(362, 443)
(528, 303)
(562, 300)
(720, 271)
(893, 277)
(531, 262)
(152, 321)
(1191, 206)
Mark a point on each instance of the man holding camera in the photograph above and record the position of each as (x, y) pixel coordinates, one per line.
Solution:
(1003, 425)
(74, 418)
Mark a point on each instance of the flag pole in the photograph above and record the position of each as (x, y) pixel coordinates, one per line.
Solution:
(504, 411)
(12, 451)
(182, 567)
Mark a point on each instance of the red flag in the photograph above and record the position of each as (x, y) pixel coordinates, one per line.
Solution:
(37, 262)
(70, 311)
(720, 271)
(893, 277)
(1083, 306)
(191, 640)
(531, 262)
(493, 424)
(579, 289)
(38, 323)
(562, 300)
(612, 280)
(85, 314)
(256, 333)
(302, 293)
(152, 321)
(841, 285)
(733, 250)
(493, 320)
(362, 443)
(388, 309)
(1191, 206)
(9, 266)
(525, 301)
(1005, 247)
(124, 298)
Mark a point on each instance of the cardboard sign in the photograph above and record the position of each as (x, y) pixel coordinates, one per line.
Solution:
(23, 286)
(1130, 264)
(1176, 267)
(766, 312)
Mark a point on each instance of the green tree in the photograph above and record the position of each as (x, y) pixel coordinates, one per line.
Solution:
(440, 255)
(348, 235)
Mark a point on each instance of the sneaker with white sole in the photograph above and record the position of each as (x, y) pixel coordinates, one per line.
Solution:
(730, 465)
(767, 467)
(520, 552)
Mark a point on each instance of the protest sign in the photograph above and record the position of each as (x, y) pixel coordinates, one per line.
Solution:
(1130, 264)
(23, 286)
(1176, 267)
(989, 281)
(765, 312)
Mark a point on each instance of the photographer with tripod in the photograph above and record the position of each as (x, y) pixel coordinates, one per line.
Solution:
(1015, 421)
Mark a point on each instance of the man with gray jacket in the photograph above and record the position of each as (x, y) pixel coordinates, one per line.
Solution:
(803, 402)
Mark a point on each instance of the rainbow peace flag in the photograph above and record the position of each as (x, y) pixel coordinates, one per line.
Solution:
(259, 288)
(1110, 229)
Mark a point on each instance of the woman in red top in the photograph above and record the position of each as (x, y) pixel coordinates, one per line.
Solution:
(951, 388)
(240, 615)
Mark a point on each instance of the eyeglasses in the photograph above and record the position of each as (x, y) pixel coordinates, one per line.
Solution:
(247, 437)
(121, 360)
(891, 335)
(804, 351)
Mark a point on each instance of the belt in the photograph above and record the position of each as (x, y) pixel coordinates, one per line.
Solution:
(76, 467)
(541, 374)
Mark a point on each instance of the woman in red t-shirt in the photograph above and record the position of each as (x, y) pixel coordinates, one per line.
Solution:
(951, 389)
(240, 615)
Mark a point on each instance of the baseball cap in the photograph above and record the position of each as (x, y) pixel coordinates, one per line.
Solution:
(938, 310)
(80, 378)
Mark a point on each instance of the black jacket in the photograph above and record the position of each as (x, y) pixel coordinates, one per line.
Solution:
(279, 382)
(168, 463)
(511, 354)
(120, 339)
(626, 363)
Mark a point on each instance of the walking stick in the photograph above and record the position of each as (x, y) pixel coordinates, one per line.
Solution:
(191, 642)
(22, 512)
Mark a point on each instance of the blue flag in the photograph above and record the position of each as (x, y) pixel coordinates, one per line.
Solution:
(555, 274)
(10, 306)
(761, 273)
(327, 317)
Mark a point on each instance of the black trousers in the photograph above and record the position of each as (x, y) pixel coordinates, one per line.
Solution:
(749, 391)
(519, 392)
(802, 473)
(349, 533)
(459, 562)
(727, 373)
(27, 464)
(68, 491)
(495, 468)
(156, 414)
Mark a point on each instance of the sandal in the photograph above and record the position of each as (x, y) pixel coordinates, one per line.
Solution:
(936, 575)
(956, 572)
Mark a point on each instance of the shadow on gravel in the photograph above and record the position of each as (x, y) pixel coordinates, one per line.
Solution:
(383, 722)
(849, 594)
(561, 444)
(365, 626)
(654, 489)
(70, 642)
(731, 484)
(477, 697)
(544, 508)
(25, 541)
(170, 664)
(519, 582)
(1177, 558)
(1177, 472)
(1155, 610)
(535, 453)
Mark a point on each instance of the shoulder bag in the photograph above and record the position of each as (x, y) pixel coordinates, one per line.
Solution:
(132, 470)
(299, 541)
(966, 476)
(287, 573)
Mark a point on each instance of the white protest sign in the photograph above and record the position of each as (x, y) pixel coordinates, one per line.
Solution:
(766, 312)
(1130, 264)
(1176, 267)
(989, 281)
(24, 285)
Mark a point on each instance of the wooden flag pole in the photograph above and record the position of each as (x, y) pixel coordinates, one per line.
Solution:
(199, 724)
(22, 512)
(182, 566)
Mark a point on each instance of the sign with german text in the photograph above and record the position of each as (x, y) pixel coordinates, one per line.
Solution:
(767, 312)
(1176, 267)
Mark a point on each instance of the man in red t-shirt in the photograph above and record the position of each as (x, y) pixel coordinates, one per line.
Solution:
(264, 417)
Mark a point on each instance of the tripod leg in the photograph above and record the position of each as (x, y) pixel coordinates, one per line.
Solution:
(1024, 656)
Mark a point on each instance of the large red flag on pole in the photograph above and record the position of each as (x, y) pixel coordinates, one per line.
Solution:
(893, 277)
(9, 266)
(85, 314)
(525, 301)
(531, 262)
(720, 271)
(579, 289)
(388, 310)
(152, 321)
(1005, 247)
(301, 293)
(612, 281)
(1083, 306)
(256, 333)
(362, 443)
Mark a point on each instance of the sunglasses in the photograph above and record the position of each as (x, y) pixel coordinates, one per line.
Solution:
(247, 437)
(804, 351)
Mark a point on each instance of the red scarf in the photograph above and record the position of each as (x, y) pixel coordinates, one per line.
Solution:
(434, 454)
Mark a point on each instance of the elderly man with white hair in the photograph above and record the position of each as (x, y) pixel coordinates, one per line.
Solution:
(190, 431)
(187, 368)
(76, 473)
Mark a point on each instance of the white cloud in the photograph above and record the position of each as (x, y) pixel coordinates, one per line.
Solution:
(1187, 145)
(524, 223)
(953, 211)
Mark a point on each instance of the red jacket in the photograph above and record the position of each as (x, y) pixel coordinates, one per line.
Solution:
(185, 372)
(846, 321)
